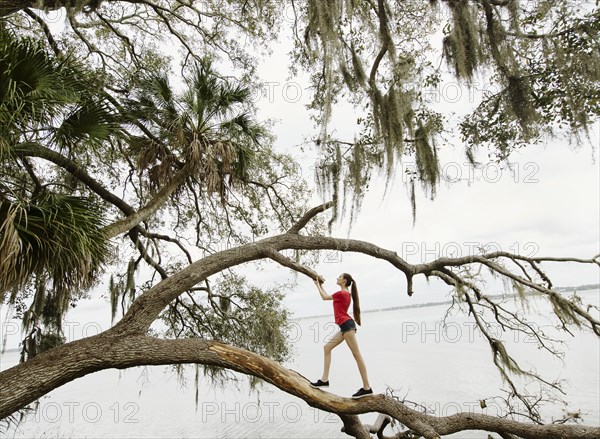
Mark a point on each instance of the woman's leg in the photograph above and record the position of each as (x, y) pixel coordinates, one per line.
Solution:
(333, 342)
(350, 337)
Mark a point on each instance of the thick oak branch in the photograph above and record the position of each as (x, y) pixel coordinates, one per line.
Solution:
(126, 345)
(28, 381)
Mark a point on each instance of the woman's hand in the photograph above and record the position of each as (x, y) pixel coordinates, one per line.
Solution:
(319, 283)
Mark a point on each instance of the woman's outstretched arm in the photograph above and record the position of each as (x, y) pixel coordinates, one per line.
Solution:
(319, 283)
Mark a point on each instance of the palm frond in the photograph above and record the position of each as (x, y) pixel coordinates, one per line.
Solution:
(53, 97)
(55, 234)
(206, 126)
(203, 89)
(230, 95)
(34, 86)
(90, 122)
(243, 125)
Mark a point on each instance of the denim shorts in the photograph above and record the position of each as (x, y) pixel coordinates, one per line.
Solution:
(348, 325)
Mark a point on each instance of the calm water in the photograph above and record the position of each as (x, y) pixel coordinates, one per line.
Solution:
(407, 351)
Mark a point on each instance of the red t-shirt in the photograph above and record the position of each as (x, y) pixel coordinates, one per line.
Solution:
(341, 302)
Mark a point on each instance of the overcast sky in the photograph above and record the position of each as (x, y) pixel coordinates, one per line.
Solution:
(550, 206)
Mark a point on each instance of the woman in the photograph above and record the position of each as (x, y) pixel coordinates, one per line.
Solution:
(341, 302)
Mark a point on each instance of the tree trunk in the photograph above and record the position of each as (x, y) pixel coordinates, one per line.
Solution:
(125, 345)
(133, 217)
(29, 381)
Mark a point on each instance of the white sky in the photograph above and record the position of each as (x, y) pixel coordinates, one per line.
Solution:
(549, 207)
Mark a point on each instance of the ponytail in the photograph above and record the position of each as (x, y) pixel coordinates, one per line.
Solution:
(355, 302)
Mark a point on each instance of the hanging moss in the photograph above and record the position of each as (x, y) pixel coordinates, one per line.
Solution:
(392, 115)
(505, 359)
(340, 62)
(470, 154)
(32, 317)
(461, 47)
(518, 92)
(49, 341)
(513, 7)
(413, 200)
(376, 104)
(564, 310)
(130, 280)
(335, 168)
(426, 159)
(224, 303)
(357, 65)
(328, 178)
(452, 55)
(358, 181)
(39, 297)
(328, 79)
(55, 308)
(392, 132)
(324, 19)
(347, 76)
(356, 44)
(113, 292)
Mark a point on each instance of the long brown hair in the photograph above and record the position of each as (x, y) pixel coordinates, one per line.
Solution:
(350, 282)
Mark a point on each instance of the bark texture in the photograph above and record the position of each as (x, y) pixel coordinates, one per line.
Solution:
(127, 345)
(28, 381)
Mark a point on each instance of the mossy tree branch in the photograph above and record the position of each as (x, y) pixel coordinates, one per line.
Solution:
(125, 345)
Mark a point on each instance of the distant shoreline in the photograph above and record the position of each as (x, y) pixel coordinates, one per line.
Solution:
(448, 302)
(417, 305)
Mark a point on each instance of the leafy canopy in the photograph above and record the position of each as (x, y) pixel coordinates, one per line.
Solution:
(71, 145)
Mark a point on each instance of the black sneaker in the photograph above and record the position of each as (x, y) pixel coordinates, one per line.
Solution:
(362, 392)
(320, 383)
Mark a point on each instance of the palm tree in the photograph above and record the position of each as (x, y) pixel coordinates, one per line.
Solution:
(53, 240)
(51, 244)
(208, 127)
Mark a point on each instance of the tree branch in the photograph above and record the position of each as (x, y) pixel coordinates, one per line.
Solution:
(159, 198)
(290, 263)
(150, 304)
(133, 217)
(302, 222)
(29, 380)
(30, 149)
(45, 28)
(167, 238)
(125, 345)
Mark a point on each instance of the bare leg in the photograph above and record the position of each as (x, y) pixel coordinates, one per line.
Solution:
(333, 342)
(350, 337)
